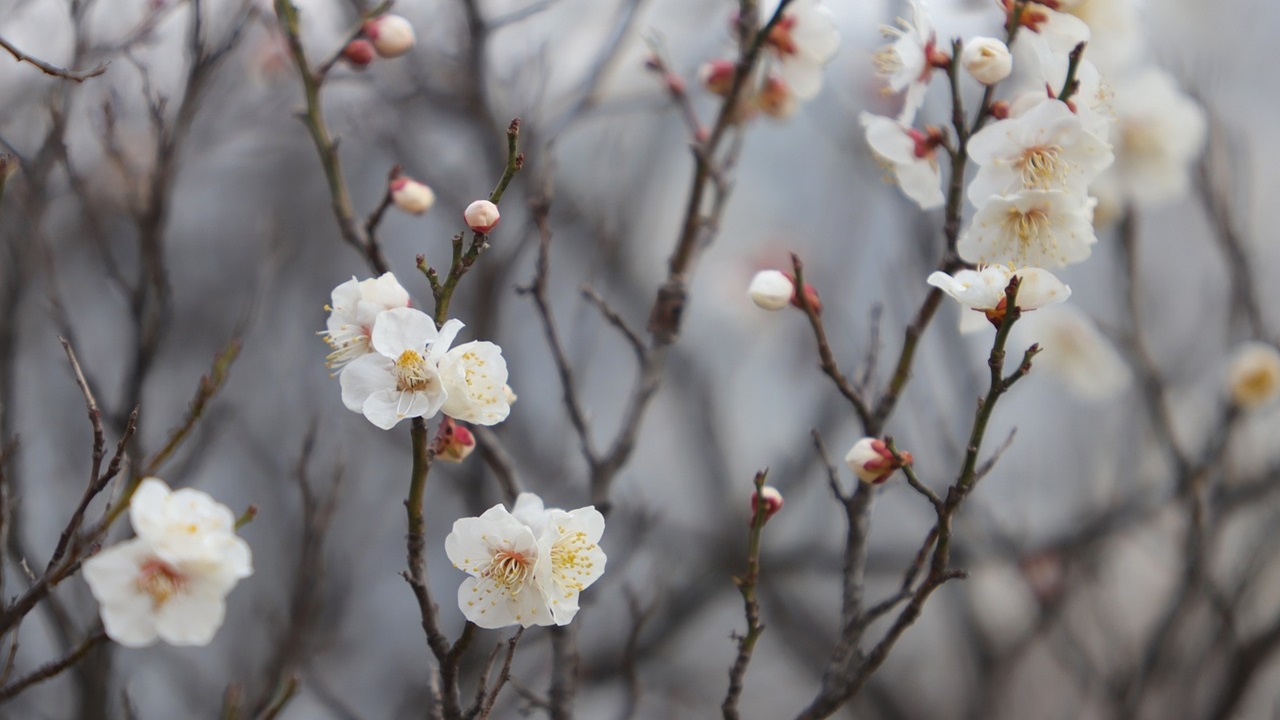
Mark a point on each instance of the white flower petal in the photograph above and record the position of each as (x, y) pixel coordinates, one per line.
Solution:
(400, 329)
(365, 376)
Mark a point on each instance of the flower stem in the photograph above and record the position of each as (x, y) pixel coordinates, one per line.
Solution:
(747, 587)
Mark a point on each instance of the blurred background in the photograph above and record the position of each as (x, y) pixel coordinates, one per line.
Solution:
(161, 211)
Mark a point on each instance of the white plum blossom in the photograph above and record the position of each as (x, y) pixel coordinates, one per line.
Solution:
(172, 580)
(771, 290)
(907, 63)
(1157, 135)
(474, 376)
(1047, 148)
(527, 566)
(1254, 374)
(1115, 29)
(353, 307)
(988, 60)
(1043, 73)
(1073, 349)
(984, 289)
(801, 43)
(912, 156)
(1040, 228)
(401, 378)
(1061, 31)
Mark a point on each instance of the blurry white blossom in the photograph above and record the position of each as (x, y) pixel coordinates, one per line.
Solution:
(410, 195)
(1074, 350)
(1158, 134)
(801, 43)
(911, 155)
(353, 307)
(1254, 374)
(171, 581)
(907, 63)
(1061, 31)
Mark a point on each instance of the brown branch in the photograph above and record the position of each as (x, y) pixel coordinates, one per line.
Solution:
(48, 69)
(51, 669)
(751, 606)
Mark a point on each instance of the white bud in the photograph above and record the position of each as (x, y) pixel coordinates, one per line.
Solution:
(481, 216)
(391, 35)
(1254, 374)
(771, 290)
(987, 60)
(411, 196)
(872, 461)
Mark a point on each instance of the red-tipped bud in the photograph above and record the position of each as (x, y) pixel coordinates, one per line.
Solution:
(358, 53)
(1000, 109)
(717, 76)
(810, 293)
(872, 462)
(454, 442)
(772, 500)
(481, 216)
(410, 195)
(392, 35)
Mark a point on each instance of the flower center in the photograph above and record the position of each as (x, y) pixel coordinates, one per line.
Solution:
(413, 373)
(1041, 166)
(1028, 227)
(1258, 382)
(887, 61)
(160, 581)
(570, 561)
(509, 569)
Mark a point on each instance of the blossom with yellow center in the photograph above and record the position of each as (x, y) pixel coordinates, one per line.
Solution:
(1037, 228)
(400, 379)
(353, 307)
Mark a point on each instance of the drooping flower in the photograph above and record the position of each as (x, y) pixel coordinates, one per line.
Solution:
(1039, 228)
(911, 155)
(1254, 375)
(802, 42)
(401, 378)
(1046, 148)
(172, 580)
(527, 566)
(908, 62)
(984, 289)
(353, 307)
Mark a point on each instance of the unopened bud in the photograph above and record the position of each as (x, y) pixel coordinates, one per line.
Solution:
(872, 462)
(776, 99)
(454, 442)
(772, 503)
(392, 35)
(1254, 375)
(1000, 109)
(810, 294)
(481, 216)
(771, 290)
(358, 53)
(987, 59)
(717, 76)
(411, 196)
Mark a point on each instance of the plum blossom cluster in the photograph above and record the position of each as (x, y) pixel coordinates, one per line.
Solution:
(171, 581)
(528, 565)
(797, 48)
(394, 363)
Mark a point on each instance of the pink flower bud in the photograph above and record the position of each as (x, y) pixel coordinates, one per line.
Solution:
(358, 53)
(717, 76)
(871, 461)
(454, 442)
(772, 502)
(410, 195)
(776, 100)
(481, 216)
(810, 293)
(392, 35)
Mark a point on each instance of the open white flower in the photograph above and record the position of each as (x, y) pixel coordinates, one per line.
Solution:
(171, 581)
(1158, 133)
(911, 155)
(474, 376)
(1047, 148)
(571, 539)
(527, 566)
(401, 378)
(1043, 73)
(1040, 228)
(353, 307)
(802, 42)
(907, 63)
(984, 289)
(1060, 30)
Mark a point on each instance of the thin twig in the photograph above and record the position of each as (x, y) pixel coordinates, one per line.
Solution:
(48, 69)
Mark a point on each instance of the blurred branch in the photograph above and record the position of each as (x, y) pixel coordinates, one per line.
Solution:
(751, 607)
(48, 69)
(51, 669)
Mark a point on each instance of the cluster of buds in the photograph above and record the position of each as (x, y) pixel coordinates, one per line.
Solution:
(873, 462)
(385, 36)
(774, 290)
